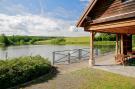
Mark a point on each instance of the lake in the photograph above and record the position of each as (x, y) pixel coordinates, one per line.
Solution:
(44, 50)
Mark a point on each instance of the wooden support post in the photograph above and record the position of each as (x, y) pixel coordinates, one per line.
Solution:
(121, 44)
(116, 45)
(91, 60)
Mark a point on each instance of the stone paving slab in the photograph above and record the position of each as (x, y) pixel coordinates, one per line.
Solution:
(108, 64)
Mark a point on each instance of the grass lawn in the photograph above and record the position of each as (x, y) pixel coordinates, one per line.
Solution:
(68, 40)
(87, 78)
(97, 79)
(78, 41)
(73, 40)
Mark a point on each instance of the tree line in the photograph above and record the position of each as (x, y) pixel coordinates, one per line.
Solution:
(105, 37)
(20, 40)
(109, 37)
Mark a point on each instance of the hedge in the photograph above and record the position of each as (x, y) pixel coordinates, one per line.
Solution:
(23, 69)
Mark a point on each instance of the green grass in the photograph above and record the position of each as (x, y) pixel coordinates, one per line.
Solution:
(74, 40)
(105, 80)
(97, 79)
(133, 48)
(69, 40)
(78, 41)
(86, 78)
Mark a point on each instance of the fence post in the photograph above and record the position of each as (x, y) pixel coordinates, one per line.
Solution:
(79, 54)
(6, 55)
(68, 58)
(53, 58)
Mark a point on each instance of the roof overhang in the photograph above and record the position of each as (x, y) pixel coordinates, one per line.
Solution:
(86, 12)
(102, 20)
(126, 26)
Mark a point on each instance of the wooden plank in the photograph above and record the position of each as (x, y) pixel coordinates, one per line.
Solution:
(91, 60)
(122, 27)
(114, 24)
(114, 17)
(116, 44)
(127, 43)
(121, 44)
(121, 30)
(105, 8)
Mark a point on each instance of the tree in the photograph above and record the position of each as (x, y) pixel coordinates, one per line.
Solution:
(4, 40)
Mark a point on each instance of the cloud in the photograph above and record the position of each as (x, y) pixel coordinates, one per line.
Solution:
(37, 25)
(16, 19)
(62, 13)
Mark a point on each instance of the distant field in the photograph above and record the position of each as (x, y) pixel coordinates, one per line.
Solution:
(68, 40)
(78, 41)
(72, 40)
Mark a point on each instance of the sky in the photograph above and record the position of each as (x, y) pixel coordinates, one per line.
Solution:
(41, 17)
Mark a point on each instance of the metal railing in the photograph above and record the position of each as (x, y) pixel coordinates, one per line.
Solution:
(70, 56)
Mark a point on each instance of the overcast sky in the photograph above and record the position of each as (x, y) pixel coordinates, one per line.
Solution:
(41, 17)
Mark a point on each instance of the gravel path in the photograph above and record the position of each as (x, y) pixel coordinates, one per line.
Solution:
(106, 63)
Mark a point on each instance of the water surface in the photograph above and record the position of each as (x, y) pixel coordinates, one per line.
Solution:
(44, 50)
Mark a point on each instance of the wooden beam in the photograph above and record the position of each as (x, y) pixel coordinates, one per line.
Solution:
(119, 27)
(116, 44)
(91, 60)
(114, 24)
(118, 30)
(114, 17)
(121, 43)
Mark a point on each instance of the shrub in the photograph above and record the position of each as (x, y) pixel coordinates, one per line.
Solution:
(21, 70)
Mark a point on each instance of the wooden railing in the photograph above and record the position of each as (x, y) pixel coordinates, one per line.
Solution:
(70, 56)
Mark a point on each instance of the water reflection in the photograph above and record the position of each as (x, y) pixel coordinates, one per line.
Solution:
(45, 50)
(3, 48)
(105, 48)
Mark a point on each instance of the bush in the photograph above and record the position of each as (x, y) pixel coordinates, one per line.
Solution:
(21, 70)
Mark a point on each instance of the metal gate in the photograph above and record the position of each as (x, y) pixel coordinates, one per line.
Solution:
(70, 56)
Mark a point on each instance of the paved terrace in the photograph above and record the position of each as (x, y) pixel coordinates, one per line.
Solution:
(105, 62)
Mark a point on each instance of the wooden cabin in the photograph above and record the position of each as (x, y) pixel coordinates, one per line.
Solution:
(110, 16)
